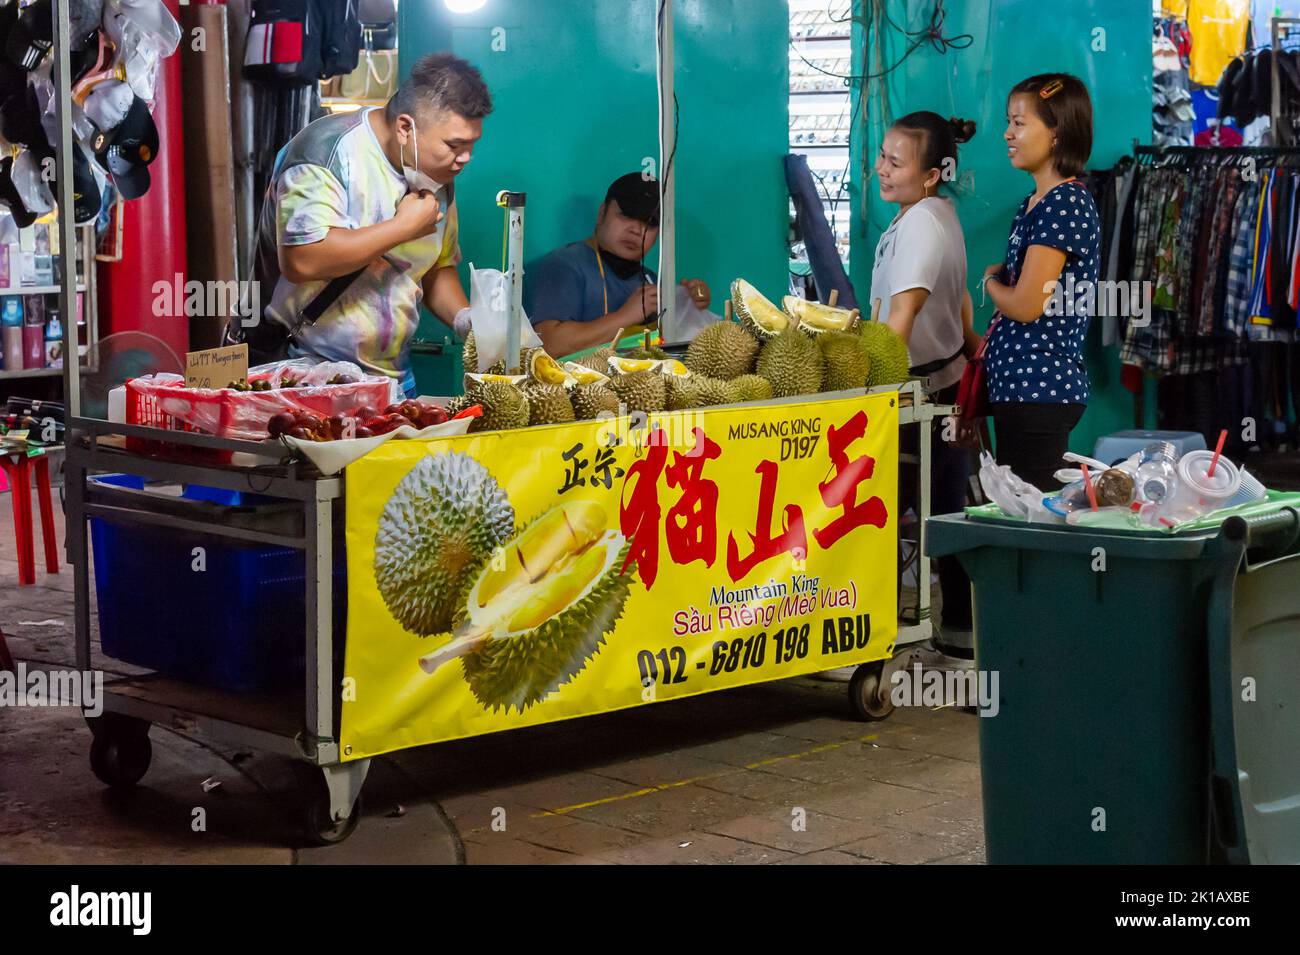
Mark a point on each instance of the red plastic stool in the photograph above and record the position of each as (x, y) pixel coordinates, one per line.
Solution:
(18, 466)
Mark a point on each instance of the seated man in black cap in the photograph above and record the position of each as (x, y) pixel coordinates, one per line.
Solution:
(581, 295)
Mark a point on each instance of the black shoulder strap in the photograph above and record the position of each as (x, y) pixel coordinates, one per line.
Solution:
(325, 298)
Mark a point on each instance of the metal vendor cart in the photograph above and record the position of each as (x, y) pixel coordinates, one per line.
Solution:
(302, 723)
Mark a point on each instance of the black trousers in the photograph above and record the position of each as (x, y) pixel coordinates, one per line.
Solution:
(949, 469)
(1031, 438)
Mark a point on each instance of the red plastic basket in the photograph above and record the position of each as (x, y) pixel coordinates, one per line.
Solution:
(227, 413)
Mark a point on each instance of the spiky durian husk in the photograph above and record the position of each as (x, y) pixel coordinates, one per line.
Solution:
(792, 362)
(750, 306)
(888, 354)
(504, 407)
(640, 391)
(590, 400)
(440, 525)
(722, 350)
(520, 671)
(751, 388)
(548, 404)
(847, 363)
(597, 360)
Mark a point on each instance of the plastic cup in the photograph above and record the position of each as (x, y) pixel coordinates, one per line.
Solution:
(1200, 492)
(1251, 490)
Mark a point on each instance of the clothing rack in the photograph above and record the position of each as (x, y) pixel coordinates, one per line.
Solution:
(1140, 150)
(1158, 156)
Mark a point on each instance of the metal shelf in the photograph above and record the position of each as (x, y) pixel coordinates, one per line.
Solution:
(33, 373)
(37, 289)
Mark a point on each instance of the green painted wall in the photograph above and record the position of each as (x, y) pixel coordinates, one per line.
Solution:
(576, 106)
(1012, 39)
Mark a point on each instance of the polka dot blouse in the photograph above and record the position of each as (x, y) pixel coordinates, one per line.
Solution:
(1042, 361)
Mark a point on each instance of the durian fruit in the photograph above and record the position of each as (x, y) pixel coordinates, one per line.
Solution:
(888, 354)
(504, 406)
(583, 375)
(814, 318)
(673, 368)
(681, 393)
(469, 358)
(443, 521)
(792, 362)
(473, 381)
(598, 360)
(458, 404)
(757, 315)
(543, 369)
(548, 404)
(699, 391)
(531, 622)
(722, 350)
(751, 388)
(845, 359)
(640, 391)
(653, 353)
(619, 365)
(590, 401)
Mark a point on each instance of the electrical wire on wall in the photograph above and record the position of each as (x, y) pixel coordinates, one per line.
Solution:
(871, 82)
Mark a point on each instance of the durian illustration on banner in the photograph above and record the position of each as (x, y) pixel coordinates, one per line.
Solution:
(505, 579)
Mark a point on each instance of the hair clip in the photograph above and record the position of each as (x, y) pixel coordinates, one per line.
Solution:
(1051, 89)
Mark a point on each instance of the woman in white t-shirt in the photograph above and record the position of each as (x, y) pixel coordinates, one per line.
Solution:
(918, 287)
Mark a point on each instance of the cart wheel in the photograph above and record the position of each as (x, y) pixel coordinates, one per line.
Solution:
(870, 699)
(119, 756)
(322, 830)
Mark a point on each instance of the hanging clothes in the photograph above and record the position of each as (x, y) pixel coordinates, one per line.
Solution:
(1218, 29)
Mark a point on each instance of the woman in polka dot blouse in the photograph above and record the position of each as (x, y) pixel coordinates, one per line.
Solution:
(1045, 288)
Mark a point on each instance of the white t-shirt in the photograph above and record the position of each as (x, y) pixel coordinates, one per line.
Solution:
(925, 248)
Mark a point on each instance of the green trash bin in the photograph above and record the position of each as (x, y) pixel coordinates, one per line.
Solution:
(1126, 729)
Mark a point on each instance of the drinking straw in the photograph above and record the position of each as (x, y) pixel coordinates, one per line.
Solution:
(1087, 486)
(1218, 450)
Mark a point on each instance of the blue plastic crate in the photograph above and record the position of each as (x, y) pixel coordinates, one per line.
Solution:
(1114, 448)
(237, 625)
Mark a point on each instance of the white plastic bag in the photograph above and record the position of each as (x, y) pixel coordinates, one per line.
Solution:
(1017, 498)
(489, 309)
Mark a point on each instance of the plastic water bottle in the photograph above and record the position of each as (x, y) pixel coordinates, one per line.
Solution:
(1157, 472)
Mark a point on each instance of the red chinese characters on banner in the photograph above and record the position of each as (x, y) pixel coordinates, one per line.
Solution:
(842, 489)
(691, 529)
(638, 517)
(793, 540)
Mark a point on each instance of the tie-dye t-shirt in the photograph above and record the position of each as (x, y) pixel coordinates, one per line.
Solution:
(333, 175)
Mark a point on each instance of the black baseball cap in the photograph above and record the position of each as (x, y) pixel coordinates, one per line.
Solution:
(86, 198)
(127, 150)
(31, 35)
(20, 120)
(637, 197)
(12, 76)
(23, 217)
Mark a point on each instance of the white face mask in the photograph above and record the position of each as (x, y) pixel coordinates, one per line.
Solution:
(415, 179)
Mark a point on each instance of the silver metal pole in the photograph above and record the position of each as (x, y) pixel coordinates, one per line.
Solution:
(514, 204)
(67, 226)
(667, 211)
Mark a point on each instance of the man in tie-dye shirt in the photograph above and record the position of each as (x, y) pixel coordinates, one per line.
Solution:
(373, 190)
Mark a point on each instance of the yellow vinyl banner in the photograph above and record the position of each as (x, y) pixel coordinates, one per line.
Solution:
(513, 578)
